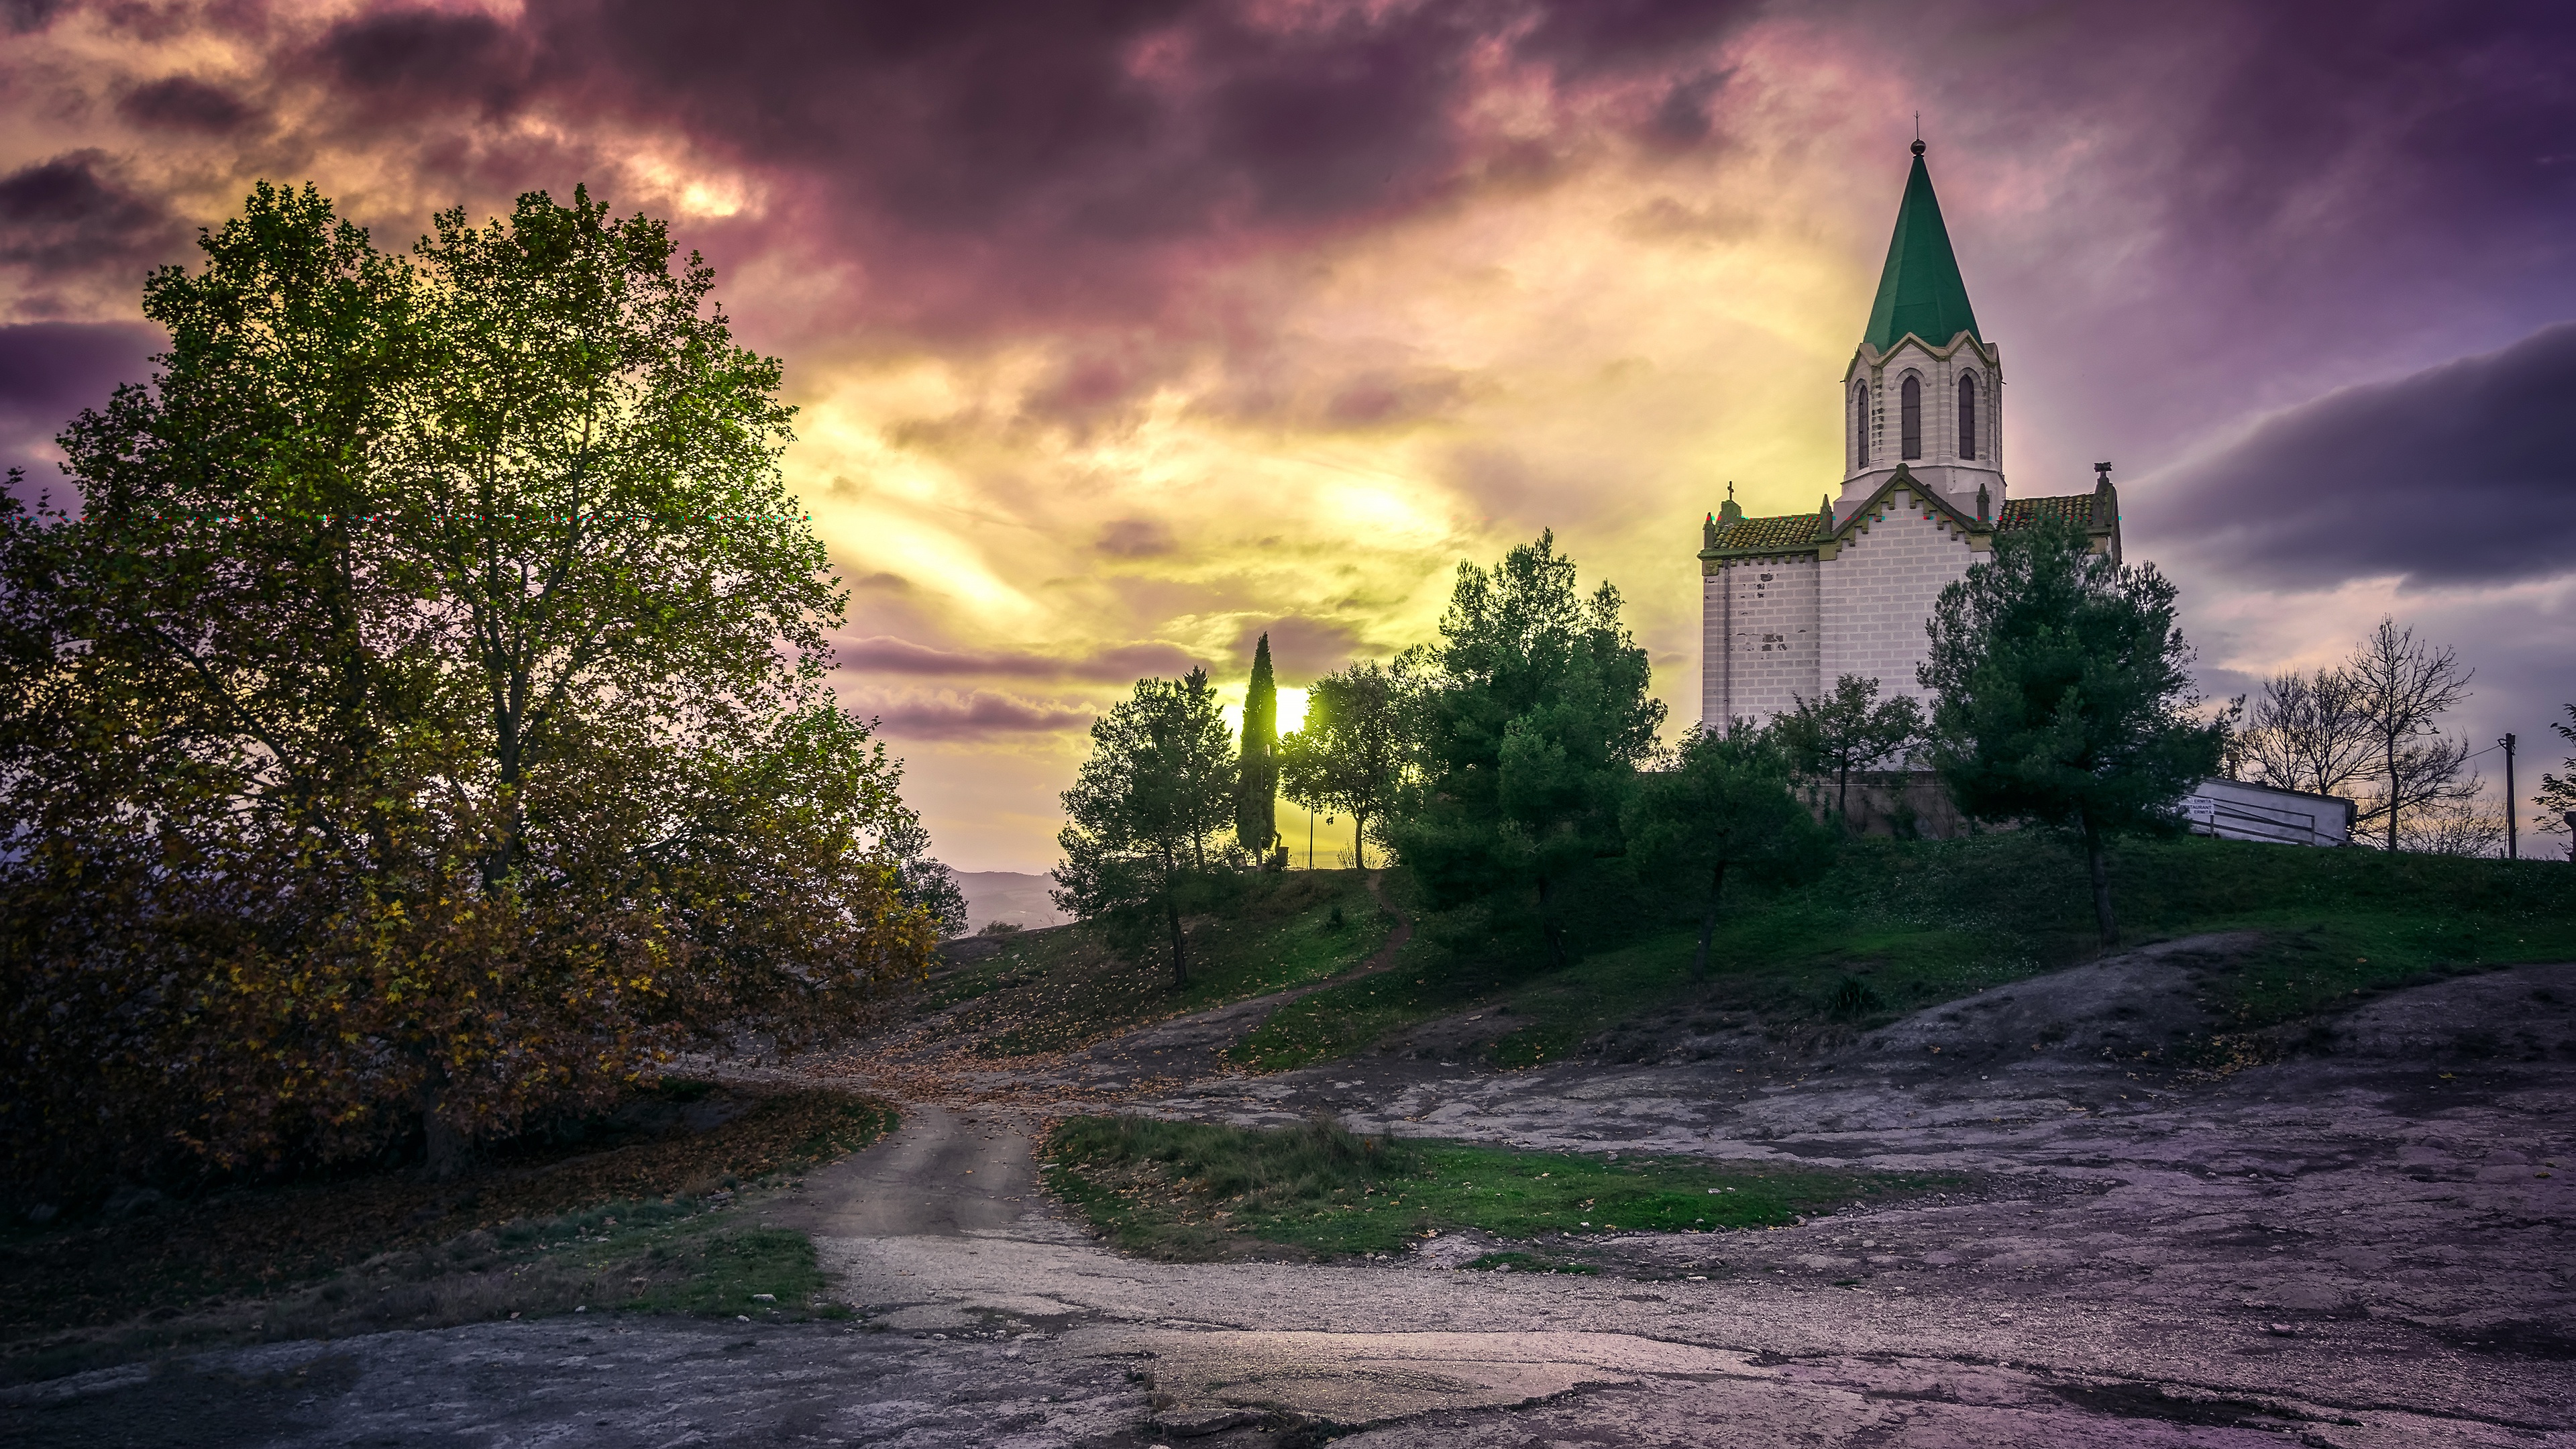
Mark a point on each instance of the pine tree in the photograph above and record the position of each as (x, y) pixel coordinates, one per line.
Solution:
(1256, 797)
(2064, 696)
(1537, 708)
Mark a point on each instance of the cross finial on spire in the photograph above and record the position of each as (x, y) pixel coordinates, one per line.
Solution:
(2102, 475)
(1730, 490)
(1918, 133)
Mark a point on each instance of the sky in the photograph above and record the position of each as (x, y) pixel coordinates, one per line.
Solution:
(1124, 332)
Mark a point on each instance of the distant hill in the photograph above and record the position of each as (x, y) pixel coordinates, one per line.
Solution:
(1008, 895)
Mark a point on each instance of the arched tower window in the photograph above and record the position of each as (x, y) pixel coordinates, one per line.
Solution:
(1967, 415)
(1860, 426)
(1910, 428)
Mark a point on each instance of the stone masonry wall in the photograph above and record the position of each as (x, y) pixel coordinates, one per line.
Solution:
(1879, 589)
(1759, 636)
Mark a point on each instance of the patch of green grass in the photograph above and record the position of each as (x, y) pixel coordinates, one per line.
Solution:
(1189, 1190)
(764, 1272)
(1897, 926)
(1061, 988)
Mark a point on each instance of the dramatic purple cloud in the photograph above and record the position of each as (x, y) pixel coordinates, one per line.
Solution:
(2212, 207)
(993, 161)
(2458, 474)
(1301, 649)
(184, 103)
(68, 215)
(881, 654)
(1152, 320)
(49, 371)
(973, 716)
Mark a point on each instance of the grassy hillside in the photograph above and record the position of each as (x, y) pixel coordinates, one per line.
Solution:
(1897, 926)
(1054, 989)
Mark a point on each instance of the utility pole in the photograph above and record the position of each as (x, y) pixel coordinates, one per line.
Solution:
(2512, 838)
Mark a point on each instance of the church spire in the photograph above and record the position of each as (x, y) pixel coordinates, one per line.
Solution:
(1920, 290)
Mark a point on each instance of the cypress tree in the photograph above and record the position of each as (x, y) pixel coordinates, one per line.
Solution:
(1256, 795)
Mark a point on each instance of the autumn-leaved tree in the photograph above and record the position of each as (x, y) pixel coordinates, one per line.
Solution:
(2062, 695)
(1145, 808)
(416, 719)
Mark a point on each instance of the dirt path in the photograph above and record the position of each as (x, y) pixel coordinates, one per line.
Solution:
(944, 1172)
(2365, 1248)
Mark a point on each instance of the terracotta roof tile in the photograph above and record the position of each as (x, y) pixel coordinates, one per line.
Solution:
(2075, 508)
(1794, 530)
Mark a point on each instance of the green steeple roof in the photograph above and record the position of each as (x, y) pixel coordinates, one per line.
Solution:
(1920, 291)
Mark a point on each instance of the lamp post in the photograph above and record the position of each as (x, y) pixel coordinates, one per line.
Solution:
(2512, 837)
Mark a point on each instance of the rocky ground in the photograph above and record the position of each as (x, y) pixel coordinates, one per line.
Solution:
(2365, 1244)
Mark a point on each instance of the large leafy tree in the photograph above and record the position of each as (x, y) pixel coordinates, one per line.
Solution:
(2062, 695)
(1849, 729)
(1352, 752)
(1144, 809)
(1256, 798)
(591, 471)
(1723, 800)
(1536, 713)
(418, 718)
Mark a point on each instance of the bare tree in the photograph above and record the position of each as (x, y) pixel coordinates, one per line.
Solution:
(2309, 732)
(2405, 687)
(2454, 826)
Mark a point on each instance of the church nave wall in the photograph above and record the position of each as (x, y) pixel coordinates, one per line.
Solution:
(1759, 621)
(1878, 590)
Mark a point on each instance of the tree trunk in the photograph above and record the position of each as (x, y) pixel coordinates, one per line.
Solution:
(1180, 957)
(445, 1149)
(1842, 799)
(1547, 924)
(2391, 741)
(1708, 921)
(1359, 837)
(2101, 885)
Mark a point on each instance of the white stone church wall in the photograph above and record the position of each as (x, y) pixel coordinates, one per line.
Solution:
(1878, 590)
(1759, 640)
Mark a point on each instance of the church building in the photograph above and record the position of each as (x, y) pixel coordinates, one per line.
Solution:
(1790, 604)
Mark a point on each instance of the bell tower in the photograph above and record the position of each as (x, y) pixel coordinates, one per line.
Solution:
(1925, 387)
